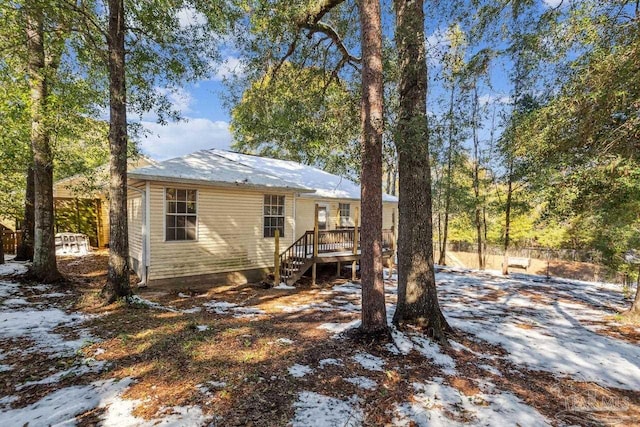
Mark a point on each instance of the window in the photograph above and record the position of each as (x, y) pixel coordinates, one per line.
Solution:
(322, 218)
(273, 215)
(180, 214)
(345, 214)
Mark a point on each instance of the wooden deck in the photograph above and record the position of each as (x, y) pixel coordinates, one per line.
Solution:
(333, 246)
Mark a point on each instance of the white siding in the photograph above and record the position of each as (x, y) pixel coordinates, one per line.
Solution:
(230, 234)
(305, 211)
(135, 211)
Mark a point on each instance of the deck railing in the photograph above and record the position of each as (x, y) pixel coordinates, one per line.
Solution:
(300, 252)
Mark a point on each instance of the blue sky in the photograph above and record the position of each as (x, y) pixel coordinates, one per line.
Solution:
(206, 119)
(205, 124)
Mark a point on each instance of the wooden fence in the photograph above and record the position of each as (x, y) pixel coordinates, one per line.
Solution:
(10, 241)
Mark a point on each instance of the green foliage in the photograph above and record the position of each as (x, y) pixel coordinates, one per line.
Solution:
(302, 115)
(581, 147)
(77, 140)
(299, 98)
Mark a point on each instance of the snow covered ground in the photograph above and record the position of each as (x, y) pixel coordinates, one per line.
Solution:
(31, 321)
(556, 327)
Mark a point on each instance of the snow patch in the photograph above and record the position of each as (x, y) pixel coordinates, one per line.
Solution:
(348, 288)
(62, 406)
(120, 414)
(314, 409)
(330, 361)
(224, 307)
(402, 343)
(37, 326)
(338, 328)
(432, 402)
(363, 382)
(13, 268)
(299, 371)
(369, 361)
(138, 300)
(87, 366)
(431, 350)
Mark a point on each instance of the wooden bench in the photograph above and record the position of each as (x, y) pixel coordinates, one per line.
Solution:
(519, 262)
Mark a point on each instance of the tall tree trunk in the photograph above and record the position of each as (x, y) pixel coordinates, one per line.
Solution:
(374, 317)
(507, 220)
(635, 307)
(44, 267)
(24, 252)
(417, 295)
(447, 197)
(118, 271)
(476, 178)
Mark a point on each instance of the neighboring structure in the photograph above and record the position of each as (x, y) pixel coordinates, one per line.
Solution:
(10, 238)
(212, 215)
(81, 203)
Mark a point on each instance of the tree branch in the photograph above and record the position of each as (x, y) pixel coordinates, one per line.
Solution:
(292, 48)
(328, 30)
(314, 16)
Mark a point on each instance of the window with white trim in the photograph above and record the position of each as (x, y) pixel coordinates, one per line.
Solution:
(273, 215)
(345, 214)
(181, 216)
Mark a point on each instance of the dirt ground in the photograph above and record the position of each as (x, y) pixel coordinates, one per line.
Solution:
(555, 268)
(172, 353)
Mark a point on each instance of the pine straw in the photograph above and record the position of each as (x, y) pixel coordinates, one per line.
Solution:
(169, 357)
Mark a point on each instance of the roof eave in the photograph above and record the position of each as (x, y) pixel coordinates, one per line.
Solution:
(355, 199)
(208, 183)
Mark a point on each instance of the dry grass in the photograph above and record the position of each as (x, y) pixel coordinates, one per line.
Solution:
(556, 268)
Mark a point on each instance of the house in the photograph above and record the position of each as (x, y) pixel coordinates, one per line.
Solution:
(81, 204)
(213, 215)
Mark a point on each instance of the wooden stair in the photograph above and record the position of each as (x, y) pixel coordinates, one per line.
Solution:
(297, 259)
(333, 246)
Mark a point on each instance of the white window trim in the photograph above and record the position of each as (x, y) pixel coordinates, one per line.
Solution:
(341, 216)
(327, 209)
(164, 214)
(262, 215)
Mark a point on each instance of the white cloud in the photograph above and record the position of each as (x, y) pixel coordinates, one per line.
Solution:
(552, 3)
(436, 45)
(231, 66)
(494, 99)
(180, 138)
(189, 17)
(438, 39)
(557, 3)
(179, 98)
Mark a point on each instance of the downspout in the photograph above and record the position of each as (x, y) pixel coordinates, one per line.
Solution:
(143, 261)
(295, 202)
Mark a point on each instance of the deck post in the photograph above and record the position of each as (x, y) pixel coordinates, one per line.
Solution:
(276, 258)
(338, 269)
(355, 244)
(315, 245)
(393, 244)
